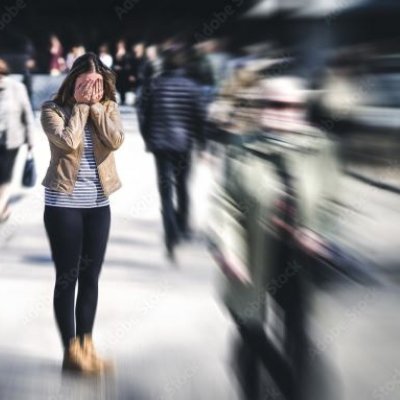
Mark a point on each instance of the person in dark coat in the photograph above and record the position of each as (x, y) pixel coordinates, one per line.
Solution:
(122, 68)
(172, 123)
(138, 66)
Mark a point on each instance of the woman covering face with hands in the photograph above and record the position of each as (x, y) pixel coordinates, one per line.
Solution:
(89, 88)
(84, 129)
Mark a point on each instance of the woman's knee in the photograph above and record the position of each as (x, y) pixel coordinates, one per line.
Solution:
(88, 279)
(67, 280)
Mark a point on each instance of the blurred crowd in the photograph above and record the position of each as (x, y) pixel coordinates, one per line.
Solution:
(266, 88)
(131, 64)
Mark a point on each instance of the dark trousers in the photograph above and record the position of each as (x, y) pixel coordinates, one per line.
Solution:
(172, 175)
(7, 161)
(78, 239)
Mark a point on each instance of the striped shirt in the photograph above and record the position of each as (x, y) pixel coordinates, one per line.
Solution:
(88, 192)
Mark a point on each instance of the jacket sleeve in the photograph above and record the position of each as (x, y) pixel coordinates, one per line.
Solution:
(66, 136)
(27, 116)
(108, 124)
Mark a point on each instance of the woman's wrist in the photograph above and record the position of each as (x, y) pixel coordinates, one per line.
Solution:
(83, 107)
(96, 109)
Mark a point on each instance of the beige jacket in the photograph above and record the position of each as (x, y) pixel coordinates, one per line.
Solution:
(64, 127)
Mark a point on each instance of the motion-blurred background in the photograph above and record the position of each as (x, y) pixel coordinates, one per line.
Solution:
(289, 287)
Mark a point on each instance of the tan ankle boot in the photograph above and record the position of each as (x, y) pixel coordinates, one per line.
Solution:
(76, 360)
(90, 353)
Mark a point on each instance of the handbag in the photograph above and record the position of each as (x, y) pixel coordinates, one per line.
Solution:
(29, 175)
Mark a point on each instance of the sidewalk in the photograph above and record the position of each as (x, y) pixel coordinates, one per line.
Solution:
(162, 324)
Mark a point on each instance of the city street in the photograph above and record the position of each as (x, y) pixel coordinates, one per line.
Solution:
(161, 323)
(285, 285)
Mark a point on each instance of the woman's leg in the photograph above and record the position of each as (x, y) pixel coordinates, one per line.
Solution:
(96, 227)
(4, 197)
(64, 228)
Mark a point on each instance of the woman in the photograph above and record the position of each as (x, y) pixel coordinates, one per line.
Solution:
(83, 127)
(16, 128)
(56, 58)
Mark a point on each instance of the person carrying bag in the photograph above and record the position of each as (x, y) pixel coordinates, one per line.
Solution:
(16, 128)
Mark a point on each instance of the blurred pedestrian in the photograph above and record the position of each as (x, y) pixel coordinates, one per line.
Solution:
(29, 67)
(83, 127)
(173, 118)
(56, 53)
(154, 60)
(76, 51)
(200, 69)
(16, 128)
(122, 68)
(105, 56)
(138, 66)
(210, 67)
(147, 66)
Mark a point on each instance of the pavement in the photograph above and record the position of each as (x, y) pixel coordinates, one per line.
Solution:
(161, 323)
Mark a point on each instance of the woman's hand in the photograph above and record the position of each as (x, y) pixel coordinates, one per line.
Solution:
(89, 88)
(97, 91)
(83, 91)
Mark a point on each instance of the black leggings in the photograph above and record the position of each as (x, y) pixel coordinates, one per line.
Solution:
(78, 239)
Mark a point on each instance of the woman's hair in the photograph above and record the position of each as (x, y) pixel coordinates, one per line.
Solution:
(88, 62)
(4, 70)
